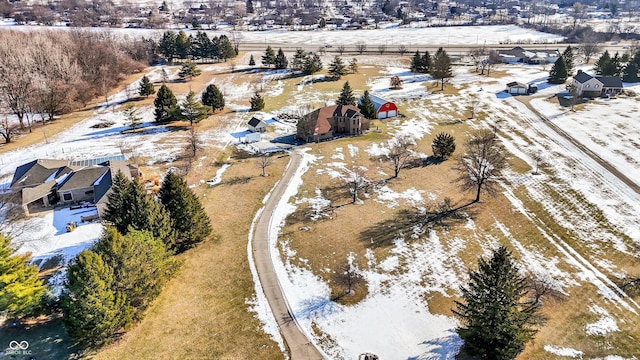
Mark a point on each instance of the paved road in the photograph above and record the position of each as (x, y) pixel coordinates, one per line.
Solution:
(300, 348)
(610, 168)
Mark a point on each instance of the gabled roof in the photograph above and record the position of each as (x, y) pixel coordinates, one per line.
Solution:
(37, 172)
(319, 118)
(517, 84)
(378, 101)
(255, 122)
(610, 81)
(83, 178)
(582, 77)
(32, 194)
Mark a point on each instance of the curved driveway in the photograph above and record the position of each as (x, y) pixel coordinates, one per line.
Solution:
(299, 346)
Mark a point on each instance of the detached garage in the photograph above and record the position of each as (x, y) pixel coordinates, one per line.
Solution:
(517, 88)
(384, 109)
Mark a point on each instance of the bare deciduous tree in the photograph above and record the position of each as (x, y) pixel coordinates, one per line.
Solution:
(8, 129)
(357, 181)
(264, 161)
(340, 49)
(382, 48)
(361, 47)
(194, 142)
(400, 152)
(402, 49)
(473, 105)
(347, 275)
(589, 46)
(543, 287)
(481, 164)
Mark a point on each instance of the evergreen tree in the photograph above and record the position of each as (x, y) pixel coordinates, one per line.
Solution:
(558, 73)
(281, 61)
(167, 45)
(192, 110)
(117, 202)
(631, 73)
(366, 106)
(182, 45)
(257, 102)
(353, 66)
(337, 69)
(92, 311)
(249, 7)
(141, 266)
(146, 213)
(443, 146)
(225, 48)
(188, 218)
(299, 59)
(441, 69)
(146, 88)
(603, 63)
(568, 59)
(313, 64)
(132, 117)
(496, 324)
(269, 57)
(346, 95)
(416, 62)
(165, 104)
(201, 46)
(189, 70)
(427, 63)
(213, 98)
(252, 61)
(20, 288)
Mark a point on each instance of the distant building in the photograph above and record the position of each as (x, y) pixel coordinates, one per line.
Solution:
(517, 88)
(330, 121)
(43, 183)
(521, 55)
(257, 125)
(585, 85)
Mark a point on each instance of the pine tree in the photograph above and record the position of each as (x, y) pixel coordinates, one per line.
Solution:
(257, 102)
(165, 104)
(192, 110)
(603, 63)
(167, 45)
(496, 323)
(188, 71)
(141, 266)
(146, 88)
(568, 59)
(353, 66)
(249, 7)
(182, 45)
(366, 106)
(117, 202)
(92, 311)
(416, 62)
(299, 59)
(225, 48)
(443, 146)
(631, 73)
(269, 57)
(146, 213)
(312, 64)
(213, 98)
(346, 95)
(201, 46)
(337, 69)
(190, 221)
(252, 61)
(558, 73)
(441, 68)
(20, 288)
(281, 61)
(132, 117)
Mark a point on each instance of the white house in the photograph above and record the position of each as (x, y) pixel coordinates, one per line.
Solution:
(585, 85)
(257, 125)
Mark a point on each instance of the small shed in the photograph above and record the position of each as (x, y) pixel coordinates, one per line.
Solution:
(257, 125)
(384, 109)
(517, 88)
(253, 137)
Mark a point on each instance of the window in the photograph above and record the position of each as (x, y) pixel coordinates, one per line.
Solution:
(67, 196)
(597, 86)
(587, 85)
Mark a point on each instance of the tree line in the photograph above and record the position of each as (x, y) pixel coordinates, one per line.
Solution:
(438, 65)
(110, 285)
(178, 45)
(625, 66)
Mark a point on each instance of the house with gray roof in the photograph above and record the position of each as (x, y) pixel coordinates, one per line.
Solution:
(528, 56)
(585, 85)
(43, 183)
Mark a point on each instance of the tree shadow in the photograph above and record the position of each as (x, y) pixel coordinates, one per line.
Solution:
(446, 347)
(413, 222)
(316, 306)
(46, 339)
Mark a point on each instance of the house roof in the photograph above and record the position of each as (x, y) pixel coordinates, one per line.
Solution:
(83, 178)
(320, 117)
(516, 84)
(582, 77)
(610, 81)
(530, 53)
(255, 122)
(32, 194)
(37, 172)
(378, 101)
